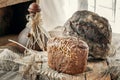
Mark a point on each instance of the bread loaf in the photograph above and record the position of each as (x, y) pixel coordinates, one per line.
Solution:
(68, 55)
(93, 29)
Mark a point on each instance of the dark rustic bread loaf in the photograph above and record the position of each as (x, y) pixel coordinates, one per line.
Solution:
(93, 29)
(67, 55)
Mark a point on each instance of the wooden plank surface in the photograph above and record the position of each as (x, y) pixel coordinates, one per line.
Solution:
(97, 67)
(54, 75)
(4, 3)
(92, 73)
(4, 39)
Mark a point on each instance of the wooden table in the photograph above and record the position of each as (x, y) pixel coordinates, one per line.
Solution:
(93, 72)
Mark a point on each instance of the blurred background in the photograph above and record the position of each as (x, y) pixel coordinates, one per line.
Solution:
(57, 12)
(54, 13)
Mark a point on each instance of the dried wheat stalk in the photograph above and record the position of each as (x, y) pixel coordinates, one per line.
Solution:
(37, 33)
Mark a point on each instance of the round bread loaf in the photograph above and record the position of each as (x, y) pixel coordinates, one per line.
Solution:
(68, 55)
(93, 29)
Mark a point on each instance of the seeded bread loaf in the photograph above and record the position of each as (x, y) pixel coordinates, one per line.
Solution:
(67, 55)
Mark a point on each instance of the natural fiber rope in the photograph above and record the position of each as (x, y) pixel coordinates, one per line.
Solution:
(37, 33)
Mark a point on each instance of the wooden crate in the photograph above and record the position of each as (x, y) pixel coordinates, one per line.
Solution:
(4, 3)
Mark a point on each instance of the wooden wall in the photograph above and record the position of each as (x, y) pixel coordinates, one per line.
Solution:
(4, 3)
